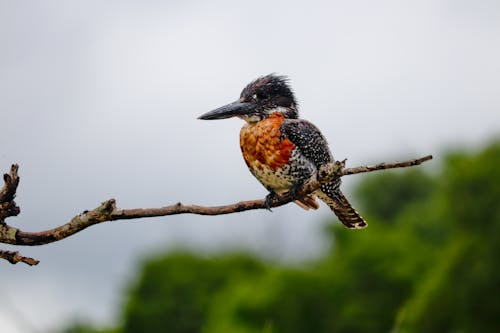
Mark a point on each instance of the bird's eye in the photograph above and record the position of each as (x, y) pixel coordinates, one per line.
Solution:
(254, 97)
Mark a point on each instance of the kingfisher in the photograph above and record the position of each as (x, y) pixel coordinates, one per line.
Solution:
(281, 150)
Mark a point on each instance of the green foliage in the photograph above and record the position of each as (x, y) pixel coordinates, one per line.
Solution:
(427, 263)
(81, 327)
(473, 190)
(386, 194)
(460, 293)
(176, 291)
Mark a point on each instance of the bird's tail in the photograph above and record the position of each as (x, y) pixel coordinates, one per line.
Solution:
(342, 208)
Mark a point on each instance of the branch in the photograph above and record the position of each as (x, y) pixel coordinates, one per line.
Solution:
(8, 206)
(108, 211)
(14, 257)
(383, 166)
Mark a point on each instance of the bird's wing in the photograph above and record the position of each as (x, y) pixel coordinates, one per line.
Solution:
(308, 140)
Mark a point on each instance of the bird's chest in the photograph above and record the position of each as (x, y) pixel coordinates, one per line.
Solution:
(267, 154)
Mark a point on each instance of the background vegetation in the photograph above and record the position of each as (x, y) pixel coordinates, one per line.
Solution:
(427, 263)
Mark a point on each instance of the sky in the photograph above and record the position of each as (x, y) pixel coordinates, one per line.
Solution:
(100, 99)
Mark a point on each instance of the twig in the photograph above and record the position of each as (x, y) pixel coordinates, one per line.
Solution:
(107, 211)
(14, 257)
(8, 206)
(383, 166)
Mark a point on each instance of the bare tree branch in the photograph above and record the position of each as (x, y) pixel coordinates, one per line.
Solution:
(383, 166)
(14, 257)
(108, 211)
(8, 206)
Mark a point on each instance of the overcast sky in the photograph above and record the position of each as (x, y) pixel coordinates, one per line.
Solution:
(99, 99)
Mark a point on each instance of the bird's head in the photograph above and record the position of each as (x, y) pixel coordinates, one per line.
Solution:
(258, 100)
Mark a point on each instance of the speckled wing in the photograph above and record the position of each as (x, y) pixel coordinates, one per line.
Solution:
(314, 147)
(308, 140)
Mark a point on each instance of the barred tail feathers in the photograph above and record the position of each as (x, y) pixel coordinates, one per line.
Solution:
(343, 209)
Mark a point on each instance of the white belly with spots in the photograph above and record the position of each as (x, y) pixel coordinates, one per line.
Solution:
(281, 180)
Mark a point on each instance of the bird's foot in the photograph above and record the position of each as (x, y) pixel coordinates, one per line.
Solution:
(269, 200)
(294, 191)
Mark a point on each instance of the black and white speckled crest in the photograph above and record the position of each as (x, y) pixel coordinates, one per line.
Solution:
(269, 93)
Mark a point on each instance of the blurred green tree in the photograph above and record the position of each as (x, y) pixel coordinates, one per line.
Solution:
(174, 292)
(461, 292)
(80, 326)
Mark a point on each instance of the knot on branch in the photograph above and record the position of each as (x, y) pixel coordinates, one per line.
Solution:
(107, 207)
(8, 206)
(7, 209)
(8, 234)
(100, 214)
(330, 171)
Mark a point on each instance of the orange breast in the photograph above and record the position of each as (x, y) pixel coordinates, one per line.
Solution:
(262, 146)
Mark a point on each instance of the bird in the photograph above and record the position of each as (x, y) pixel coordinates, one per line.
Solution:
(282, 150)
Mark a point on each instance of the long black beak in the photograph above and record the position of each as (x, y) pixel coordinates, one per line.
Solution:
(227, 111)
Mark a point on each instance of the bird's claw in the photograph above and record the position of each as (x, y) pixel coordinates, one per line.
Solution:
(269, 200)
(294, 191)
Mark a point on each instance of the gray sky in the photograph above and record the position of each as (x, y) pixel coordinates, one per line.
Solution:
(99, 100)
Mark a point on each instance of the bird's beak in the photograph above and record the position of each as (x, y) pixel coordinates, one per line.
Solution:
(227, 111)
